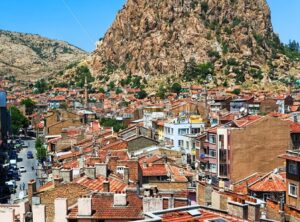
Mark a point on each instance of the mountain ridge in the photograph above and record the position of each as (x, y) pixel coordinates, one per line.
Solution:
(32, 56)
(159, 40)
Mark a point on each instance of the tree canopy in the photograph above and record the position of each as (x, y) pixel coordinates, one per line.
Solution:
(108, 122)
(41, 86)
(199, 72)
(18, 120)
(29, 105)
(41, 151)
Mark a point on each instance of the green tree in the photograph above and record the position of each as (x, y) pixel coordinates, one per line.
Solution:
(119, 90)
(141, 95)
(176, 88)
(29, 105)
(63, 105)
(41, 151)
(18, 120)
(111, 86)
(162, 91)
(41, 86)
(108, 122)
(81, 73)
(199, 72)
(101, 90)
(236, 91)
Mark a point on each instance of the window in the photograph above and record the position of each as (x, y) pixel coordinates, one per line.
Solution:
(183, 131)
(213, 168)
(180, 143)
(120, 169)
(187, 144)
(193, 145)
(195, 130)
(211, 138)
(221, 141)
(292, 167)
(292, 190)
(212, 153)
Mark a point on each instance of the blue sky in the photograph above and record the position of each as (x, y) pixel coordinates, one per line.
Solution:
(83, 22)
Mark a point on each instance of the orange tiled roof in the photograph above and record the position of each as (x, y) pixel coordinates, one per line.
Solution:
(244, 121)
(290, 157)
(242, 186)
(103, 208)
(116, 184)
(58, 98)
(155, 170)
(183, 216)
(295, 127)
(270, 183)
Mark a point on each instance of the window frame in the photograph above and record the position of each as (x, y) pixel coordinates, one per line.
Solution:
(291, 194)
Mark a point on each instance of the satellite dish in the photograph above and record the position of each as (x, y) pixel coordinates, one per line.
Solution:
(242, 109)
(21, 195)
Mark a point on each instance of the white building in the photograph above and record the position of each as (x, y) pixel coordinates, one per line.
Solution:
(177, 133)
(152, 113)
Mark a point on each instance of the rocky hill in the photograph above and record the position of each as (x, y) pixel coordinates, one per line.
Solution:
(29, 57)
(185, 40)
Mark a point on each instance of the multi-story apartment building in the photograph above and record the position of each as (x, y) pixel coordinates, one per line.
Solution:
(177, 132)
(292, 158)
(245, 146)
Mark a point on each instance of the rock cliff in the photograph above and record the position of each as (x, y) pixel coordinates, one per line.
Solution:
(159, 39)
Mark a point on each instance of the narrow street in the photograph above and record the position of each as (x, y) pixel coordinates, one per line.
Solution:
(27, 164)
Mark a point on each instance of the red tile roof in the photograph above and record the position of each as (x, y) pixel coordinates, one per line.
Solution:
(58, 98)
(270, 183)
(183, 216)
(155, 170)
(295, 127)
(244, 121)
(290, 157)
(116, 184)
(103, 208)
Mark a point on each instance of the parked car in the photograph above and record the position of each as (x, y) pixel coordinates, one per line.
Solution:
(29, 155)
(13, 174)
(22, 169)
(11, 185)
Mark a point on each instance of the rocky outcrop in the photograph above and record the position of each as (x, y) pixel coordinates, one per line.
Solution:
(29, 57)
(156, 39)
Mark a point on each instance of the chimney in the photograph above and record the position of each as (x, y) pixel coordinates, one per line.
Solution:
(221, 184)
(67, 175)
(171, 201)
(126, 175)
(151, 204)
(84, 207)
(253, 210)
(238, 208)
(120, 199)
(7, 215)
(57, 181)
(39, 213)
(90, 172)
(31, 190)
(101, 169)
(61, 209)
(106, 186)
(64, 133)
(23, 208)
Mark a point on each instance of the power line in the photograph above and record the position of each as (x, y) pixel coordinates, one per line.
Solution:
(77, 20)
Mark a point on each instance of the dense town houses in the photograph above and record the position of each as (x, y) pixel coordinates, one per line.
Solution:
(199, 155)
